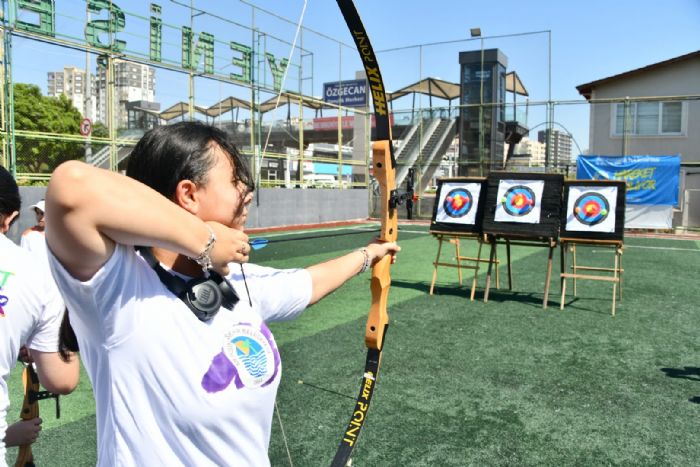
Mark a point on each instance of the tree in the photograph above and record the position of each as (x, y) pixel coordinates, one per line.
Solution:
(100, 130)
(42, 114)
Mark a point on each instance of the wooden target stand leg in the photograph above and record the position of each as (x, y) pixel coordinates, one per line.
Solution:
(616, 270)
(551, 244)
(435, 264)
(455, 242)
(548, 276)
(466, 262)
(493, 259)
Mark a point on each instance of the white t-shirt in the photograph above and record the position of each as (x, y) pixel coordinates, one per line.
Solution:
(170, 389)
(31, 310)
(34, 241)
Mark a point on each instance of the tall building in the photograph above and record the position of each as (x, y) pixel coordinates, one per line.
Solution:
(73, 83)
(531, 151)
(133, 82)
(560, 146)
(481, 115)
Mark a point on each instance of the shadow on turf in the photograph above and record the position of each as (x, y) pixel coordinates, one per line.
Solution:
(577, 304)
(533, 299)
(689, 372)
(463, 290)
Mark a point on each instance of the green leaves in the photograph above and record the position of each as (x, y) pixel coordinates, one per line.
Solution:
(35, 112)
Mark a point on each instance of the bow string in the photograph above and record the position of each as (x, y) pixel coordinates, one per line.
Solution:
(384, 170)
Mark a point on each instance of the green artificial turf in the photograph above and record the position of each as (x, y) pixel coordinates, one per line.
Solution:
(472, 383)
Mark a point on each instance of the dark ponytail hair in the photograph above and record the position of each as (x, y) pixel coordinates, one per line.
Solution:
(182, 151)
(10, 200)
(162, 158)
(67, 342)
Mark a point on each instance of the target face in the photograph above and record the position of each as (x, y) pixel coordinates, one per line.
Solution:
(519, 201)
(458, 203)
(591, 209)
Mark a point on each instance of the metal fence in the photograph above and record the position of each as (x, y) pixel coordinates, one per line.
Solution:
(232, 76)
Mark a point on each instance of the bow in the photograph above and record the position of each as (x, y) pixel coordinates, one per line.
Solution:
(30, 410)
(384, 168)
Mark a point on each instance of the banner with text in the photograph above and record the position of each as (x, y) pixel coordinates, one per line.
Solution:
(348, 93)
(651, 180)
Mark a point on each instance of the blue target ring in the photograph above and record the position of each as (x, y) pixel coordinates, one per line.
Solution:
(591, 208)
(519, 200)
(458, 202)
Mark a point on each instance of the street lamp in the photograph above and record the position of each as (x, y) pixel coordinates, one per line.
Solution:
(476, 32)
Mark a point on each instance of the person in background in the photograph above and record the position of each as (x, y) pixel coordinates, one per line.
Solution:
(33, 239)
(31, 310)
(178, 379)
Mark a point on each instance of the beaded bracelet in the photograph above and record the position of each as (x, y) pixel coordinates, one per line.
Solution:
(365, 263)
(204, 260)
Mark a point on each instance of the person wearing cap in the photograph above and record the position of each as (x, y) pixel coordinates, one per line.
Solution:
(33, 239)
(31, 310)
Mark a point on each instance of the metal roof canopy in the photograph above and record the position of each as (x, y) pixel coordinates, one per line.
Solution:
(230, 103)
(290, 98)
(178, 110)
(447, 90)
(514, 85)
(227, 104)
(429, 86)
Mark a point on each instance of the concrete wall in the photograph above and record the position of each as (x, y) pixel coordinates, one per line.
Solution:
(27, 218)
(280, 207)
(272, 208)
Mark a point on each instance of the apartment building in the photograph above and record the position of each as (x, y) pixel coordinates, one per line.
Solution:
(74, 83)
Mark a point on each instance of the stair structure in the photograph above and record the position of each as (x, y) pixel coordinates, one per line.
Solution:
(424, 151)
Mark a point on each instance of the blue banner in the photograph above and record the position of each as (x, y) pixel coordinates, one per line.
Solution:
(651, 180)
(348, 93)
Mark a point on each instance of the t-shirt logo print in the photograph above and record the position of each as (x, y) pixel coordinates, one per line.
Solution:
(4, 299)
(249, 358)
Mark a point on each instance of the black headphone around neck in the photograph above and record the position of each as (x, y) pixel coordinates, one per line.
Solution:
(204, 296)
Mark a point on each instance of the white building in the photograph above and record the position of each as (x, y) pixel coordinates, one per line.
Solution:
(528, 152)
(73, 83)
(652, 110)
(560, 152)
(133, 82)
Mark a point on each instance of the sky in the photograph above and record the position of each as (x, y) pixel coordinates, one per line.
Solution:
(589, 41)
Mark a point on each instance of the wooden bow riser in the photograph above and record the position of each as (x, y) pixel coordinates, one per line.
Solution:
(30, 410)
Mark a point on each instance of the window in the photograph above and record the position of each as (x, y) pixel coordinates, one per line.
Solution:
(649, 118)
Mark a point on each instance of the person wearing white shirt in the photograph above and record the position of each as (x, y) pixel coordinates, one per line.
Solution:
(31, 310)
(178, 379)
(33, 239)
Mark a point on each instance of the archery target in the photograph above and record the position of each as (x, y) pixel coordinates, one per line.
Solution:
(591, 209)
(519, 201)
(458, 203)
